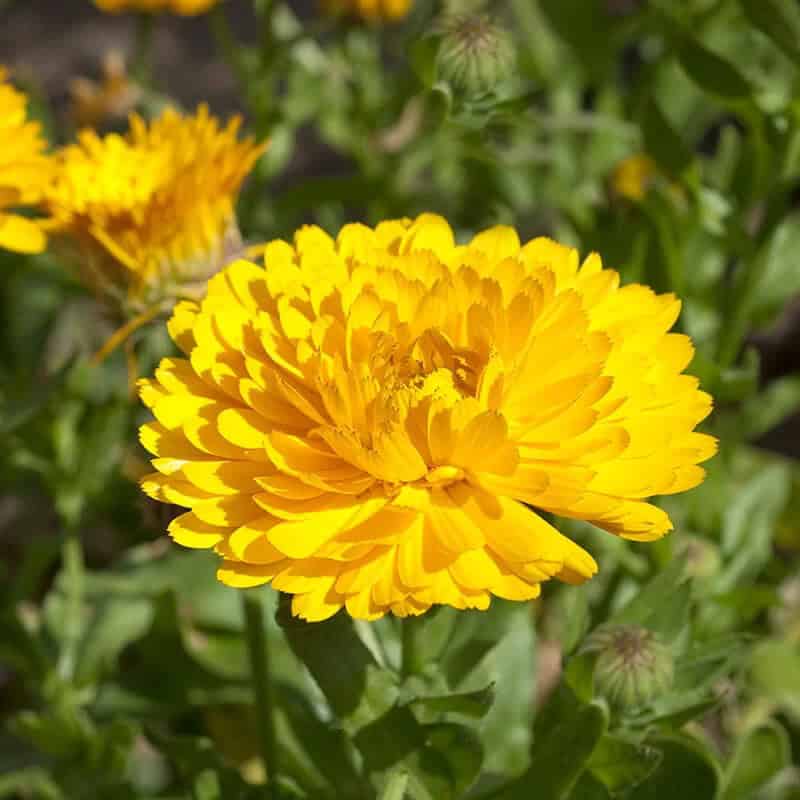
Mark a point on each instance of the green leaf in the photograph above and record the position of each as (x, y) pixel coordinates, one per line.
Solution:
(326, 747)
(565, 736)
(358, 690)
(586, 27)
(777, 19)
(748, 525)
(423, 58)
(33, 782)
(620, 764)
(686, 771)
(775, 671)
(771, 406)
(200, 765)
(662, 604)
(115, 624)
(395, 788)
(471, 704)
(760, 754)
(709, 71)
(662, 141)
(449, 761)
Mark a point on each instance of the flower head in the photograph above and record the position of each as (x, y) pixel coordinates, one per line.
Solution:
(370, 10)
(24, 171)
(475, 53)
(633, 665)
(185, 8)
(152, 212)
(363, 422)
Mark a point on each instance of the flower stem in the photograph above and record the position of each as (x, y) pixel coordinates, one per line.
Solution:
(262, 686)
(73, 566)
(410, 656)
(141, 69)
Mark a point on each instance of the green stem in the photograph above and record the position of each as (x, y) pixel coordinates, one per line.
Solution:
(262, 686)
(410, 656)
(227, 44)
(73, 566)
(142, 67)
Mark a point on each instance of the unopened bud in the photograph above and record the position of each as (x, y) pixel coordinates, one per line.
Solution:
(632, 665)
(475, 54)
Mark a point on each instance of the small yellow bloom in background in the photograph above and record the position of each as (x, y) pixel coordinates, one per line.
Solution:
(363, 422)
(24, 171)
(186, 8)
(633, 177)
(151, 214)
(114, 97)
(370, 10)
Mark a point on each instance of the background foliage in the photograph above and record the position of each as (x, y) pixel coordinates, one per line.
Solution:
(126, 675)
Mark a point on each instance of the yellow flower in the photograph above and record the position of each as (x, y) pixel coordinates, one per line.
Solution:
(363, 422)
(633, 176)
(24, 170)
(151, 213)
(185, 8)
(370, 10)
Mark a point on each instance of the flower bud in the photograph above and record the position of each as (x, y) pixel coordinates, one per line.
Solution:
(632, 665)
(475, 54)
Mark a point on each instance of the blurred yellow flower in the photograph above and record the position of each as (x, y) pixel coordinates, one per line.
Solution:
(364, 422)
(24, 171)
(185, 8)
(633, 176)
(370, 10)
(151, 213)
(112, 98)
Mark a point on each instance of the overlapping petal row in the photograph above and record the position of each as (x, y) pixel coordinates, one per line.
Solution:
(362, 422)
(370, 10)
(181, 7)
(24, 171)
(155, 207)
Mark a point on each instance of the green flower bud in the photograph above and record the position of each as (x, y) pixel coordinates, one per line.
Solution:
(474, 54)
(632, 665)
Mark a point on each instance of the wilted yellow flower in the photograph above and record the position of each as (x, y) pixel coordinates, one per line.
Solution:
(24, 170)
(151, 213)
(114, 97)
(363, 422)
(185, 8)
(633, 176)
(370, 10)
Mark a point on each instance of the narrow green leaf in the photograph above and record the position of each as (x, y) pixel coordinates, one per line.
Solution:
(711, 72)
(662, 604)
(662, 141)
(423, 58)
(470, 704)
(777, 19)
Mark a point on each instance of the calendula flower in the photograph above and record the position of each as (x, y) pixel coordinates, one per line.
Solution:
(114, 97)
(364, 422)
(370, 10)
(24, 171)
(185, 8)
(151, 213)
